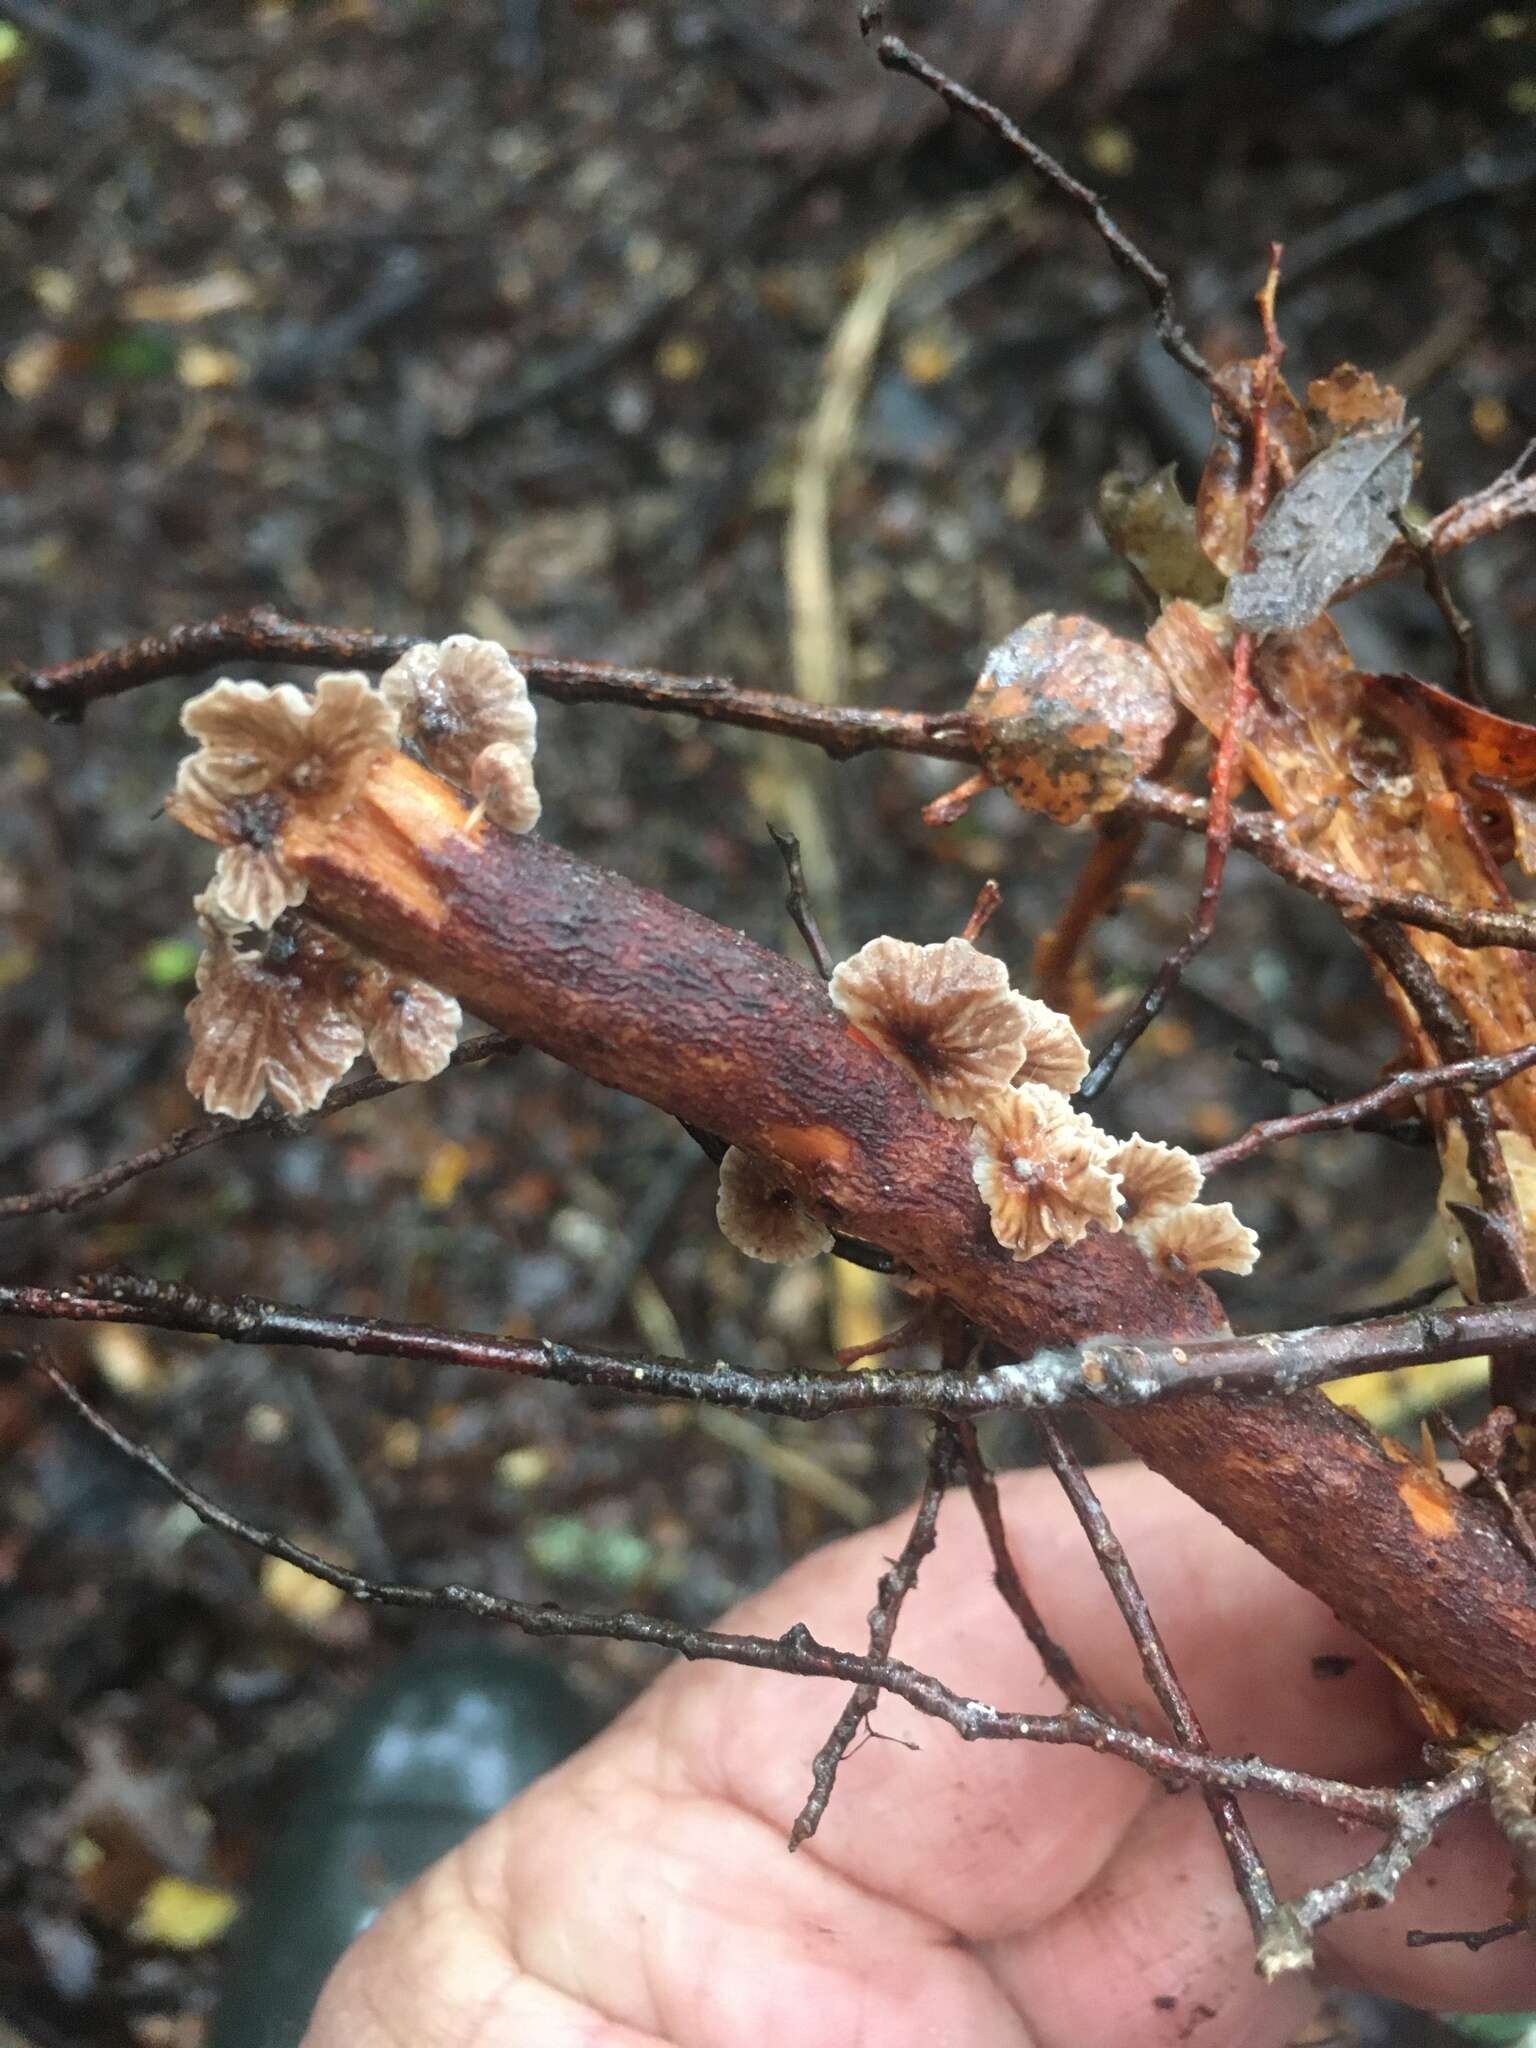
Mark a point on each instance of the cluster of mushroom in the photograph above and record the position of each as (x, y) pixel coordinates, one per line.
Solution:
(978, 1050)
(283, 1006)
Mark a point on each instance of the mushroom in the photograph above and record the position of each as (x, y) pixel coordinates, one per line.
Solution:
(1199, 1237)
(1054, 1055)
(274, 1020)
(760, 1216)
(945, 1014)
(465, 703)
(262, 755)
(411, 1027)
(1044, 1170)
(1154, 1177)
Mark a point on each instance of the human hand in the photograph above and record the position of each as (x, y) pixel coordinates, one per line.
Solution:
(983, 1895)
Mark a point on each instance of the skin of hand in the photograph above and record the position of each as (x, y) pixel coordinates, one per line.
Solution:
(958, 1895)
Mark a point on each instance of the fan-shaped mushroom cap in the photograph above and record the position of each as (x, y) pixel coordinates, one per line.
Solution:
(1155, 1177)
(411, 1027)
(1054, 1055)
(1043, 1170)
(272, 1021)
(761, 1217)
(263, 754)
(461, 700)
(1199, 1237)
(945, 1014)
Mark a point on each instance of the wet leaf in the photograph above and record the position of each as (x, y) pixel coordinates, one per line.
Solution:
(1332, 524)
(1489, 760)
(1348, 399)
(1067, 716)
(1149, 525)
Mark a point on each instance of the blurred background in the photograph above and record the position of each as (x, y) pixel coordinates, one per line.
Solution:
(626, 332)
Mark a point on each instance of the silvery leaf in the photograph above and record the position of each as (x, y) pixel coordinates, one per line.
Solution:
(1333, 524)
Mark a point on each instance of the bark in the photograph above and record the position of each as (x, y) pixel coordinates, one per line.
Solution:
(649, 997)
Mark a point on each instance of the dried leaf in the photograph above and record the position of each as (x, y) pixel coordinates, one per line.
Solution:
(1149, 525)
(1333, 523)
(1487, 759)
(1067, 716)
(1347, 399)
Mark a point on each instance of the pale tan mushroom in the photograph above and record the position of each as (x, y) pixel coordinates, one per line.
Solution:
(1199, 1237)
(760, 1216)
(1155, 1177)
(411, 1027)
(945, 1014)
(270, 1021)
(1054, 1054)
(465, 703)
(1043, 1169)
(263, 754)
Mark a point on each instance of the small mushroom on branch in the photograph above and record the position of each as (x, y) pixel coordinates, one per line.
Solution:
(465, 703)
(1044, 1170)
(411, 1027)
(1199, 1237)
(760, 1216)
(263, 755)
(946, 1015)
(272, 1019)
(1154, 1178)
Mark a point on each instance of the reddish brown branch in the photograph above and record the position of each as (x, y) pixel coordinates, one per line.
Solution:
(1470, 1076)
(653, 999)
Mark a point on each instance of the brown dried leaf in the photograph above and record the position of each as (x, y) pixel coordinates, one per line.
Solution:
(1149, 525)
(1221, 502)
(1348, 399)
(1333, 523)
(1066, 716)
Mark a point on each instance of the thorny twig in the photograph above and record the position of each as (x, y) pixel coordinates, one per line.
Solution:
(1357, 1112)
(1108, 1372)
(1249, 1875)
(895, 1585)
(796, 1653)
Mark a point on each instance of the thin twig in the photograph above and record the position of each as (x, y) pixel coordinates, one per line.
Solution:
(896, 55)
(268, 1120)
(1472, 1076)
(1472, 1939)
(1109, 1371)
(1248, 1872)
(842, 731)
(895, 1585)
(1227, 768)
(1457, 624)
(796, 1653)
(1059, 1667)
(1421, 1814)
(798, 902)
